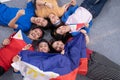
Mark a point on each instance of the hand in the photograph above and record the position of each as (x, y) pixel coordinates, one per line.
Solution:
(86, 35)
(87, 39)
(27, 47)
(83, 31)
(66, 6)
(87, 25)
(16, 58)
(49, 5)
(6, 42)
(62, 52)
(20, 12)
(73, 2)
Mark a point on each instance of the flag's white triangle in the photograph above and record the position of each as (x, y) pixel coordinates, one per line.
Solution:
(18, 35)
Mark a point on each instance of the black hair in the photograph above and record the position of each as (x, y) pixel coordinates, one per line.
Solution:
(36, 44)
(34, 27)
(54, 26)
(51, 43)
(48, 26)
(34, 3)
(57, 36)
(60, 24)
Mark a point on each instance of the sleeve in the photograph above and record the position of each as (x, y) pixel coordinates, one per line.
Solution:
(23, 28)
(30, 5)
(69, 12)
(74, 33)
(89, 27)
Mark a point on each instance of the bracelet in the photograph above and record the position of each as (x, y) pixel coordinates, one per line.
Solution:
(45, 3)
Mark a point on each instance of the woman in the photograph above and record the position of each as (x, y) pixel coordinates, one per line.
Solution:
(65, 30)
(46, 7)
(17, 18)
(9, 50)
(99, 66)
(43, 46)
(57, 63)
(88, 10)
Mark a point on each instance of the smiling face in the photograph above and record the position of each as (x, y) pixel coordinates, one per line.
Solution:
(62, 30)
(35, 34)
(39, 21)
(53, 18)
(43, 47)
(58, 46)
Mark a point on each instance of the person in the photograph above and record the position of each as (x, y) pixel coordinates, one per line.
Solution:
(99, 66)
(17, 18)
(76, 58)
(44, 7)
(63, 31)
(62, 64)
(9, 50)
(88, 10)
(43, 46)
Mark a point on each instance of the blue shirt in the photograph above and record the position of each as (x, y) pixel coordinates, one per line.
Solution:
(8, 13)
(71, 10)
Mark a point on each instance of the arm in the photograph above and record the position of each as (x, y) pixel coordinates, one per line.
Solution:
(66, 6)
(18, 58)
(15, 60)
(86, 35)
(5, 42)
(27, 47)
(12, 23)
(43, 3)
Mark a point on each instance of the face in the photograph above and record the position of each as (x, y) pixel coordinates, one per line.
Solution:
(43, 47)
(39, 21)
(35, 34)
(58, 45)
(53, 18)
(62, 30)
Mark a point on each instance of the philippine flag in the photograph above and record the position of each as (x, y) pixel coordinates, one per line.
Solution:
(55, 66)
(17, 42)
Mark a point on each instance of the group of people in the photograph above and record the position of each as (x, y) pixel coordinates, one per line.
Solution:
(67, 24)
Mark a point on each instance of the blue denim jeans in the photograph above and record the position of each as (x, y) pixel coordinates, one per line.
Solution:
(93, 6)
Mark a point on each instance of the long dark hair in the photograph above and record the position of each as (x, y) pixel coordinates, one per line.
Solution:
(48, 26)
(57, 36)
(64, 37)
(34, 2)
(51, 43)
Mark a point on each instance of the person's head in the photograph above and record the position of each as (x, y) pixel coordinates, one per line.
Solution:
(35, 33)
(58, 45)
(55, 20)
(62, 30)
(43, 46)
(39, 21)
(42, 22)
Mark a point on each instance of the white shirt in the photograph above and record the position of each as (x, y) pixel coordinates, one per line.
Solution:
(81, 15)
